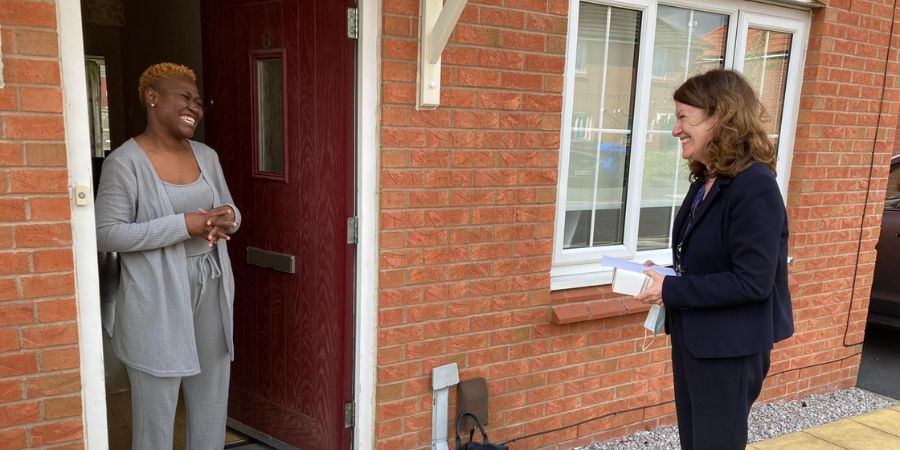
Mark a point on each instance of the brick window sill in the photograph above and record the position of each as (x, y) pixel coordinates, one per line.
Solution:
(591, 303)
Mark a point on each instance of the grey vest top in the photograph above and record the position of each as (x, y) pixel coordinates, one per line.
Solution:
(187, 198)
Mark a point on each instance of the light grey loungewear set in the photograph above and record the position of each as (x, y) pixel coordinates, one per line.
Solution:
(173, 314)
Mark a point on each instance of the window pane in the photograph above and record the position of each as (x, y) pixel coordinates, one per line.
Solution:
(892, 198)
(270, 125)
(687, 43)
(664, 187)
(602, 116)
(98, 105)
(595, 212)
(766, 67)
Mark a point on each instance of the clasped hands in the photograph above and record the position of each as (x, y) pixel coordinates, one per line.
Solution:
(213, 224)
(652, 295)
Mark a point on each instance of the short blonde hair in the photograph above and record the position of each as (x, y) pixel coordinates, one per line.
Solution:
(159, 71)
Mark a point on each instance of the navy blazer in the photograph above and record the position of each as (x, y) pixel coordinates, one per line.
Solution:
(732, 298)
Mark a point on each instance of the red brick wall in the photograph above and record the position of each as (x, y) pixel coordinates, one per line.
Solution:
(842, 151)
(468, 201)
(467, 198)
(40, 402)
(845, 137)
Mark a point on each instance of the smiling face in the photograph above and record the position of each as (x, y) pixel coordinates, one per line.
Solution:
(179, 108)
(694, 129)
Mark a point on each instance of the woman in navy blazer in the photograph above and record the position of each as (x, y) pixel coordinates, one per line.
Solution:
(730, 301)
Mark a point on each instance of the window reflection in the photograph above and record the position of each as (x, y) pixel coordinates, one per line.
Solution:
(602, 117)
(98, 105)
(766, 68)
(687, 43)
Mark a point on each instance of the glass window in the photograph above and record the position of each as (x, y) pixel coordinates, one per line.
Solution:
(623, 176)
(766, 67)
(270, 115)
(892, 198)
(98, 105)
(692, 42)
(601, 125)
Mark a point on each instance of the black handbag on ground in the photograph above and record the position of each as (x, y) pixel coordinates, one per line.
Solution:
(483, 445)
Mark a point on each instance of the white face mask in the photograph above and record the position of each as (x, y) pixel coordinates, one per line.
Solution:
(654, 323)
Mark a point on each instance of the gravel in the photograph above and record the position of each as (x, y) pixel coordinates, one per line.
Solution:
(768, 420)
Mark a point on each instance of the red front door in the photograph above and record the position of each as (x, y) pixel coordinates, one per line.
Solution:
(279, 82)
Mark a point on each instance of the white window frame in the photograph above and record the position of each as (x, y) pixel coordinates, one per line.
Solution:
(799, 29)
(581, 267)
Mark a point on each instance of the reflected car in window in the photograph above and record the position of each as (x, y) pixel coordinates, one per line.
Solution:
(884, 308)
(597, 193)
(597, 177)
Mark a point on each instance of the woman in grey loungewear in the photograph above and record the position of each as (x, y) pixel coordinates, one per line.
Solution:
(164, 206)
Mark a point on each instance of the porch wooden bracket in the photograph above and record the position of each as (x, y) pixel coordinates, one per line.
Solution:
(437, 20)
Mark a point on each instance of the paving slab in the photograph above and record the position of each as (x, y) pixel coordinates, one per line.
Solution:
(796, 441)
(887, 420)
(855, 436)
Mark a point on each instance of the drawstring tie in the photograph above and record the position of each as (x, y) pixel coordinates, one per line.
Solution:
(209, 270)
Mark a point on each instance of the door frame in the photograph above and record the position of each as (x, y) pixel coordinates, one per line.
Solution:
(90, 344)
(84, 235)
(368, 151)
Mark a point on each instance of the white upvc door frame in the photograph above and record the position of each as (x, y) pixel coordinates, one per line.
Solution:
(84, 238)
(368, 150)
(368, 101)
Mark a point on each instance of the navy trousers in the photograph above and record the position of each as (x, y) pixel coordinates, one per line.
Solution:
(713, 396)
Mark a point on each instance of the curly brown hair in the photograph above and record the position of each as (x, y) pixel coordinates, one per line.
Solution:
(153, 74)
(738, 137)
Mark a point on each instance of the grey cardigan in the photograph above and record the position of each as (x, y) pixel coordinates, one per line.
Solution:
(154, 327)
